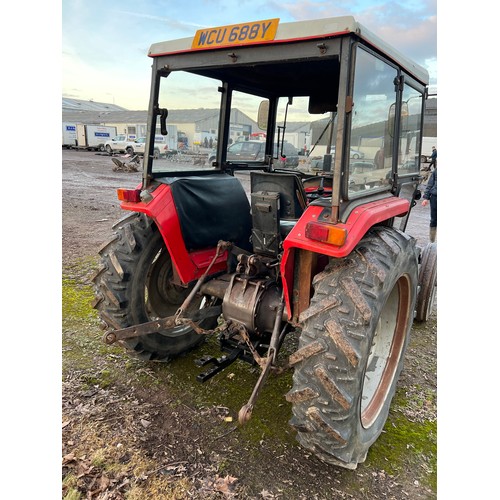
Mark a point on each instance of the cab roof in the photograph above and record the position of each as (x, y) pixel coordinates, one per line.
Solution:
(303, 30)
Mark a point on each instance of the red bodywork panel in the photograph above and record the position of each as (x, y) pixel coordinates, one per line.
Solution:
(357, 224)
(189, 265)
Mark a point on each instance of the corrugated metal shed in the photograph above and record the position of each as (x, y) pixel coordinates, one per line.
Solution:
(430, 117)
(69, 104)
(125, 116)
(104, 116)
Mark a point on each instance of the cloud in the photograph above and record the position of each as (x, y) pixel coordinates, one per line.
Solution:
(170, 22)
(410, 26)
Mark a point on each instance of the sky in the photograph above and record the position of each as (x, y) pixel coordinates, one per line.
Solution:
(105, 44)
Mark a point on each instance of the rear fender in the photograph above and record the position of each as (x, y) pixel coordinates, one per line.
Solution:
(359, 221)
(188, 265)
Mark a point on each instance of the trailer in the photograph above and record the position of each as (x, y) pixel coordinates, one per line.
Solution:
(427, 144)
(170, 140)
(68, 135)
(93, 137)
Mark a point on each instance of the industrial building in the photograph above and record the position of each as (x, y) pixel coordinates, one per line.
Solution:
(194, 124)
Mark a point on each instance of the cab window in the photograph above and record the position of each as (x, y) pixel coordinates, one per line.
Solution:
(371, 127)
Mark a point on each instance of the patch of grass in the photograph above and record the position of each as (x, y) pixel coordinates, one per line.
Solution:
(107, 449)
(99, 458)
(72, 494)
(232, 388)
(82, 337)
(76, 301)
(405, 444)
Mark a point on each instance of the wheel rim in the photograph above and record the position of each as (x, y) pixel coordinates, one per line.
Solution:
(162, 297)
(385, 353)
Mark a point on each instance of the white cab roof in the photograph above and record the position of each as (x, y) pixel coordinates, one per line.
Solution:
(304, 30)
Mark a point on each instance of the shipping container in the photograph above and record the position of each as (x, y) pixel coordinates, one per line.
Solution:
(93, 137)
(68, 135)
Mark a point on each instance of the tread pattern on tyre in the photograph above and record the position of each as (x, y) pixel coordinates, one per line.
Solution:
(427, 282)
(124, 262)
(335, 342)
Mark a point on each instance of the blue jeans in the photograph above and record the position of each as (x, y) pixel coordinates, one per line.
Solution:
(434, 213)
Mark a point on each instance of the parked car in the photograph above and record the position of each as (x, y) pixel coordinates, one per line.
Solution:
(244, 151)
(411, 164)
(120, 144)
(317, 161)
(158, 149)
(354, 154)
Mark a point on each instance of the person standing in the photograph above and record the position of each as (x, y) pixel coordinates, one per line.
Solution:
(434, 156)
(430, 196)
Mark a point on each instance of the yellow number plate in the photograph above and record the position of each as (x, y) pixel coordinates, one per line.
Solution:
(236, 34)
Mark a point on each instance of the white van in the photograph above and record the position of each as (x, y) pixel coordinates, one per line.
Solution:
(159, 147)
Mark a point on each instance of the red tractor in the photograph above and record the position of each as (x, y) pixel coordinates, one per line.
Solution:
(251, 250)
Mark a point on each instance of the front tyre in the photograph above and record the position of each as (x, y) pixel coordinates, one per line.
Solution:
(135, 285)
(427, 282)
(352, 346)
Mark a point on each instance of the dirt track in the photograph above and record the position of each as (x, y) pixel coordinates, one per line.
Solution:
(133, 430)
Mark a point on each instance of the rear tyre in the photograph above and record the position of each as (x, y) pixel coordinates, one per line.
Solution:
(352, 346)
(135, 285)
(427, 282)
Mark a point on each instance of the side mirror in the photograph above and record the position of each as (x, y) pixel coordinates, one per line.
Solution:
(405, 113)
(391, 119)
(263, 114)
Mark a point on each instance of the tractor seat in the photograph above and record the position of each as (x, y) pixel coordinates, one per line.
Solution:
(293, 200)
(211, 208)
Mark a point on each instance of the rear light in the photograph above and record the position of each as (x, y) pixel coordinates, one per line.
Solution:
(133, 195)
(326, 233)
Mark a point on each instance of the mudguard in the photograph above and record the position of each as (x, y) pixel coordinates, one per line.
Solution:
(357, 224)
(192, 214)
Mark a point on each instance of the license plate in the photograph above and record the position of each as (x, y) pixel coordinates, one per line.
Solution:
(236, 34)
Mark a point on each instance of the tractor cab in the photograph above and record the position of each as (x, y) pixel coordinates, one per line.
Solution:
(326, 100)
